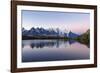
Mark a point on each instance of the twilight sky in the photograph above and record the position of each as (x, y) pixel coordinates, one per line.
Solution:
(65, 21)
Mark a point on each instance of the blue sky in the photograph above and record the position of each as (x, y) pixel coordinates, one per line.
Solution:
(65, 21)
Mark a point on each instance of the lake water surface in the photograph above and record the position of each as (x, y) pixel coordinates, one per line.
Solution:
(53, 50)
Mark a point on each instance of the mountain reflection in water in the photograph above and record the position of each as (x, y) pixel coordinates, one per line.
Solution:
(48, 43)
(52, 50)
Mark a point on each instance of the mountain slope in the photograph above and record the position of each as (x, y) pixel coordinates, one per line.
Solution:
(72, 35)
(85, 38)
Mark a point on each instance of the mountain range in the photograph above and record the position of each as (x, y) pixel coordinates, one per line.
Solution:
(41, 32)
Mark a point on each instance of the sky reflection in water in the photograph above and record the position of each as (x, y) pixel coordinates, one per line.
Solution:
(53, 50)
